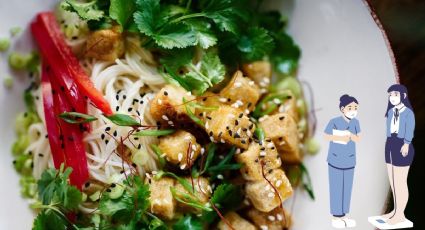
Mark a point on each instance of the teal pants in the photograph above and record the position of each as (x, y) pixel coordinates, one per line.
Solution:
(340, 187)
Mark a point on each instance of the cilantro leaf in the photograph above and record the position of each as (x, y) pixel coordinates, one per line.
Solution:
(225, 197)
(188, 222)
(226, 14)
(49, 220)
(86, 10)
(255, 44)
(122, 11)
(286, 54)
(202, 30)
(212, 67)
(175, 36)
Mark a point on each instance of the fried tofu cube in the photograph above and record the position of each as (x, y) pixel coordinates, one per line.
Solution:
(167, 106)
(202, 192)
(260, 72)
(236, 221)
(264, 153)
(106, 45)
(230, 125)
(161, 199)
(281, 128)
(176, 146)
(277, 219)
(289, 106)
(263, 196)
(242, 92)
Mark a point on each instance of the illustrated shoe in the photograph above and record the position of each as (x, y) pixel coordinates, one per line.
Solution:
(338, 223)
(350, 222)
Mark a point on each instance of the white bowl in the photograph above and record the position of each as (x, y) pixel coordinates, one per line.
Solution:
(343, 51)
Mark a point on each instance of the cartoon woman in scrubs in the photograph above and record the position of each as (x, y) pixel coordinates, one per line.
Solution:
(343, 132)
(399, 151)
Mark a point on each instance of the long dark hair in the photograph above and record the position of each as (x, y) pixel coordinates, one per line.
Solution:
(405, 100)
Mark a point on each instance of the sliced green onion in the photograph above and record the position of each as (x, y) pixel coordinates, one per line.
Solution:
(182, 181)
(210, 156)
(188, 200)
(307, 184)
(259, 133)
(288, 83)
(19, 61)
(192, 115)
(8, 82)
(76, 118)
(4, 44)
(15, 30)
(159, 132)
(312, 146)
(158, 153)
(123, 120)
(258, 110)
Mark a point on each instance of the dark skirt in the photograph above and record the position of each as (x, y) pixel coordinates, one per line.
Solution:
(392, 152)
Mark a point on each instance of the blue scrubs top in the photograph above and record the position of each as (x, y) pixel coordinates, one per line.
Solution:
(342, 155)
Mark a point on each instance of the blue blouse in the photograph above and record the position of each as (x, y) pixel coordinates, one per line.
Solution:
(342, 155)
(406, 125)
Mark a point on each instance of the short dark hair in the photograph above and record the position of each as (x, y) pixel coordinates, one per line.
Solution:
(346, 99)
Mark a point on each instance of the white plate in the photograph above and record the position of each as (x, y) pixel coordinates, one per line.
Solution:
(343, 51)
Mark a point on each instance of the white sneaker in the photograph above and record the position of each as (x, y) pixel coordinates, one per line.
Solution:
(350, 222)
(338, 223)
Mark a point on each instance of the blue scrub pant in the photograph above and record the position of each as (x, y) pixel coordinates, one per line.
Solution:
(340, 186)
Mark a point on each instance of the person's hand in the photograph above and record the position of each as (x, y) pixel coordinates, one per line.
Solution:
(345, 138)
(404, 150)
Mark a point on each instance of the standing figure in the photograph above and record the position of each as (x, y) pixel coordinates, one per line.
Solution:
(343, 132)
(399, 151)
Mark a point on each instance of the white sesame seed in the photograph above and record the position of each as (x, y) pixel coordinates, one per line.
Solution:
(180, 157)
(238, 84)
(238, 151)
(219, 176)
(246, 111)
(264, 227)
(270, 195)
(276, 101)
(191, 154)
(165, 117)
(222, 141)
(160, 101)
(170, 123)
(270, 145)
(222, 99)
(230, 115)
(183, 166)
(248, 133)
(206, 125)
(239, 102)
(154, 172)
(279, 217)
(209, 188)
(263, 91)
(282, 143)
(194, 147)
(189, 93)
(202, 150)
(278, 183)
(212, 139)
(266, 79)
(157, 201)
(281, 109)
(251, 83)
(187, 138)
(163, 155)
(246, 201)
(262, 153)
(268, 187)
(271, 218)
(148, 175)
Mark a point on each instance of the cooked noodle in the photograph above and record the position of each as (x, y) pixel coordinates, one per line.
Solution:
(128, 85)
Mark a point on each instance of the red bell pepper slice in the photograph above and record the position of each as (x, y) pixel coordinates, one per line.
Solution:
(65, 65)
(70, 136)
(53, 131)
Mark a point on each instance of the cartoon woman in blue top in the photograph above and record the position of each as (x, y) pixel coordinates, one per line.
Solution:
(342, 132)
(399, 151)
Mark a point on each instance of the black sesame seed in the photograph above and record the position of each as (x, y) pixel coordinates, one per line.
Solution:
(211, 133)
(249, 104)
(243, 141)
(262, 148)
(108, 190)
(115, 133)
(236, 122)
(240, 115)
(244, 129)
(236, 135)
(30, 153)
(117, 97)
(107, 129)
(141, 102)
(204, 99)
(256, 160)
(165, 93)
(219, 134)
(46, 136)
(138, 113)
(102, 136)
(130, 109)
(280, 138)
(14, 162)
(139, 146)
(281, 118)
(113, 185)
(273, 147)
(117, 108)
(124, 96)
(201, 114)
(227, 127)
(74, 37)
(288, 97)
(134, 165)
(62, 88)
(229, 100)
(251, 126)
(270, 170)
(119, 91)
(209, 118)
(230, 132)
(106, 141)
(87, 184)
(136, 138)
